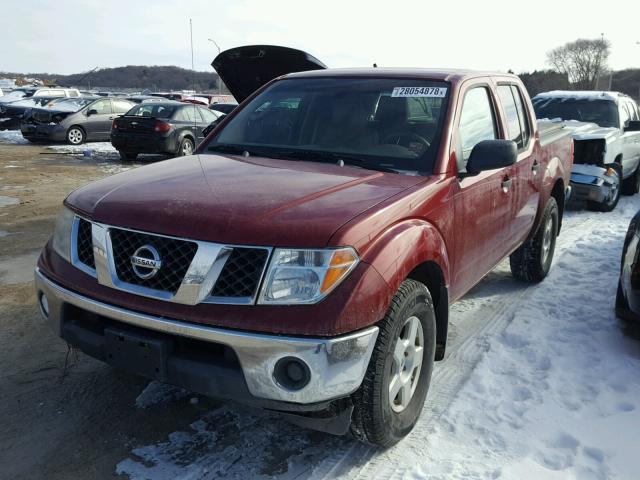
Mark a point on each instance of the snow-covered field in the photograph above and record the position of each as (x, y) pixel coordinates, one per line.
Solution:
(540, 382)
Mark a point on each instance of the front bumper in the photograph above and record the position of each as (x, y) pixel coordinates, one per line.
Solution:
(336, 366)
(589, 182)
(52, 132)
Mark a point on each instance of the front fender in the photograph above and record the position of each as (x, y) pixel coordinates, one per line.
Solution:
(404, 246)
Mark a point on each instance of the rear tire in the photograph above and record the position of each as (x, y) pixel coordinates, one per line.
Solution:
(389, 402)
(75, 136)
(532, 261)
(609, 204)
(631, 185)
(186, 147)
(127, 156)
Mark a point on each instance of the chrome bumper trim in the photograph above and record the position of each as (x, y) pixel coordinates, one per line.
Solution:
(337, 364)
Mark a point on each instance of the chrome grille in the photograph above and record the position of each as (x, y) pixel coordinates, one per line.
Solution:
(190, 271)
(241, 274)
(176, 257)
(84, 246)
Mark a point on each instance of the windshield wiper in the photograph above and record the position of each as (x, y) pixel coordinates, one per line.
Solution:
(331, 157)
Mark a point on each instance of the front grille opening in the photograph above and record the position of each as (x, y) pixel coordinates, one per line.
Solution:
(182, 347)
(241, 274)
(175, 255)
(590, 152)
(84, 244)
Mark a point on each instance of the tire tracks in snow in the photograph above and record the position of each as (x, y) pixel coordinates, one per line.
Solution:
(466, 347)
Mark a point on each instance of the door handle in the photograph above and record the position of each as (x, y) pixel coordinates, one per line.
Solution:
(111, 118)
(535, 167)
(506, 184)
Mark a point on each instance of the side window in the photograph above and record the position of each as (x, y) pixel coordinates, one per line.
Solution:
(207, 115)
(514, 130)
(120, 106)
(522, 115)
(633, 110)
(103, 107)
(477, 121)
(187, 114)
(624, 115)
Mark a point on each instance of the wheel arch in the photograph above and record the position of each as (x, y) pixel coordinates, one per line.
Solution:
(557, 192)
(430, 274)
(78, 126)
(415, 249)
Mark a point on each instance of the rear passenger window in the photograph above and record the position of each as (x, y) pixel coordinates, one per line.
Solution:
(477, 122)
(514, 131)
(207, 115)
(522, 115)
(188, 114)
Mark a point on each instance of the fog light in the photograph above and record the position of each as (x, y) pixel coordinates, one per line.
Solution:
(44, 305)
(291, 373)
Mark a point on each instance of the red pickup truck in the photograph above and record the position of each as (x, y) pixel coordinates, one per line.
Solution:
(304, 259)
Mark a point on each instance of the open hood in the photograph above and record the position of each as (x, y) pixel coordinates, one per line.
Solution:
(245, 69)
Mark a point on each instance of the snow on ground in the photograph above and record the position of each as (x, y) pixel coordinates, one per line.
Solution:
(540, 382)
(12, 136)
(6, 201)
(157, 392)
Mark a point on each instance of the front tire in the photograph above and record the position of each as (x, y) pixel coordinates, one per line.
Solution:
(186, 147)
(532, 261)
(389, 402)
(75, 136)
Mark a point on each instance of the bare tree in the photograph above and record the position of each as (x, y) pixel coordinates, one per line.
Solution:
(583, 61)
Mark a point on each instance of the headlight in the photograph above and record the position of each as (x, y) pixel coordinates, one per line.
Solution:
(305, 276)
(62, 234)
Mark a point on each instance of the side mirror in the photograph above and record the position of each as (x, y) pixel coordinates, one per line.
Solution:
(492, 154)
(634, 126)
(93, 111)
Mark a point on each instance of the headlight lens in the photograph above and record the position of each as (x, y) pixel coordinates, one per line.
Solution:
(305, 276)
(62, 234)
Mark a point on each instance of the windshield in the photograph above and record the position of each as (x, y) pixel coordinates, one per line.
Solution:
(70, 104)
(156, 110)
(601, 112)
(382, 124)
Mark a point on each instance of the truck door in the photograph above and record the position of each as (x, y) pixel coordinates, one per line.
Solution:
(482, 202)
(525, 173)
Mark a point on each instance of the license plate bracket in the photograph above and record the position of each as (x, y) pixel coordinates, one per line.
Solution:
(137, 353)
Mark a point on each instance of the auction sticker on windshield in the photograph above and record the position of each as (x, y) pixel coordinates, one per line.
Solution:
(432, 92)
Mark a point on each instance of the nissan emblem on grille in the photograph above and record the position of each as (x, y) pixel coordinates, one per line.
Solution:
(146, 262)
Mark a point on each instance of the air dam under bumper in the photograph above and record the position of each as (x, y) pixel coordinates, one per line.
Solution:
(336, 366)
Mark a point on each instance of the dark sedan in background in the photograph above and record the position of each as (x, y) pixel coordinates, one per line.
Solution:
(628, 296)
(74, 120)
(169, 128)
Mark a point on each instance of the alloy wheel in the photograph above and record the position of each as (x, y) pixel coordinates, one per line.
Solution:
(406, 365)
(547, 237)
(75, 136)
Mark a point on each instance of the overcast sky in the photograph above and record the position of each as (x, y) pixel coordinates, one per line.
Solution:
(71, 36)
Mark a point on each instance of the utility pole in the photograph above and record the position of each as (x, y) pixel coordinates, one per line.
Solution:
(219, 81)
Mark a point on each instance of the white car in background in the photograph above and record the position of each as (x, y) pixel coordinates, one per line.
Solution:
(606, 133)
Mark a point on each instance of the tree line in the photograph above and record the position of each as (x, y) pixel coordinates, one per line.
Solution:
(155, 78)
